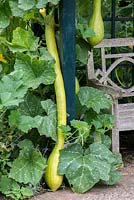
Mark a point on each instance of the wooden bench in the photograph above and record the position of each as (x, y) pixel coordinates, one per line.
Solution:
(101, 78)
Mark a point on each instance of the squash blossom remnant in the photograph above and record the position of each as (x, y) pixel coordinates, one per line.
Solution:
(131, 47)
(2, 59)
(43, 12)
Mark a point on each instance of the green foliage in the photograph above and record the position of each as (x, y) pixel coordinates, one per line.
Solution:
(84, 31)
(16, 11)
(34, 70)
(10, 188)
(26, 5)
(4, 15)
(31, 106)
(84, 169)
(42, 3)
(93, 98)
(83, 130)
(28, 109)
(12, 90)
(23, 40)
(87, 159)
(29, 166)
(26, 170)
(46, 125)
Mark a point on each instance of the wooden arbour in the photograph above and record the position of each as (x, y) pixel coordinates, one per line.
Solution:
(101, 78)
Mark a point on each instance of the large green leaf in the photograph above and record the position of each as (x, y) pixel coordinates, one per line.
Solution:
(10, 188)
(26, 5)
(42, 3)
(12, 90)
(23, 41)
(46, 125)
(93, 98)
(115, 177)
(101, 152)
(29, 166)
(16, 11)
(34, 71)
(84, 170)
(31, 106)
(44, 54)
(49, 107)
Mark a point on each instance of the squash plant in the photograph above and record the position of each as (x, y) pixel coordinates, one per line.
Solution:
(33, 108)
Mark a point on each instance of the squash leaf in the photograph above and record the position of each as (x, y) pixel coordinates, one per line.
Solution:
(26, 5)
(16, 11)
(84, 169)
(46, 125)
(93, 98)
(83, 130)
(29, 166)
(31, 106)
(12, 90)
(10, 188)
(115, 177)
(42, 3)
(34, 71)
(106, 121)
(23, 41)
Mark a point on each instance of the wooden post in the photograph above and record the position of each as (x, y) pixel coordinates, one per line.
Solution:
(67, 53)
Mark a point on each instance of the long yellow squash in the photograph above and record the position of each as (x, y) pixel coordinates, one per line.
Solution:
(54, 180)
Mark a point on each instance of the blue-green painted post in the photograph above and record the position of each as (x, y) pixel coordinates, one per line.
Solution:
(67, 52)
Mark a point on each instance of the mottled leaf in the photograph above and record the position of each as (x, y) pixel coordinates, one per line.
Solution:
(93, 98)
(46, 125)
(84, 170)
(45, 55)
(28, 167)
(26, 4)
(10, 188)
(23, 41)
(12, 90)
(49, 107)
(26, 192)
(106, 120)
(16, 11)
(115, 177)
(34, 71)
(42, 3)
(31, 106)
